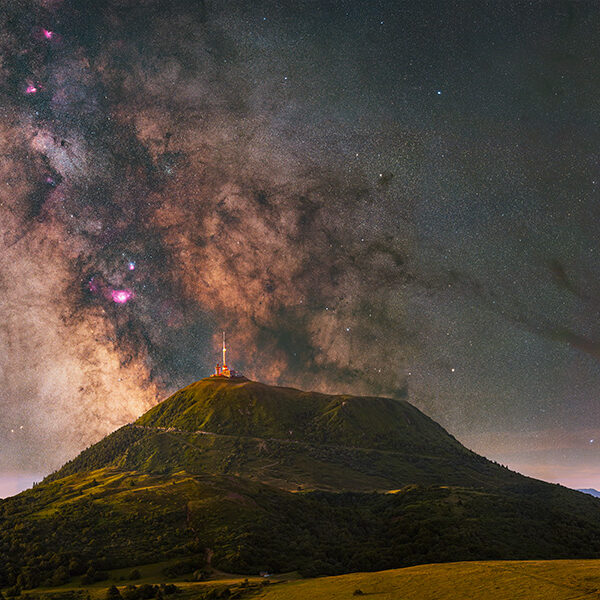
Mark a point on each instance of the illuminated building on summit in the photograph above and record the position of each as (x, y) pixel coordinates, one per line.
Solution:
(224, 370)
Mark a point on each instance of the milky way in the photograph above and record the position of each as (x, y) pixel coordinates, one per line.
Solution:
(368, 197)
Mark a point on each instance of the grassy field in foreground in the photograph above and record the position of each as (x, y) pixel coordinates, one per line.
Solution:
(502, 580)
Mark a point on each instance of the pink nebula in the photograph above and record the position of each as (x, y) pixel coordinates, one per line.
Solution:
(47, 34)
(30, 89)
(121, 296)
(131, 266)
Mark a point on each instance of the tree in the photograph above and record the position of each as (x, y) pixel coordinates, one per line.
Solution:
(59, 576)
(89, 576)
(76, 567)
(113, 593)
(55, 560)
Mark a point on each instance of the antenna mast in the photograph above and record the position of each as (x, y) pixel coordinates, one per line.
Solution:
(223, 370)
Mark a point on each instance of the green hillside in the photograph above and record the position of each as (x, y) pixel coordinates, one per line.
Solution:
(244, 477)
(249, 408)
(110, 519)
(292, 440)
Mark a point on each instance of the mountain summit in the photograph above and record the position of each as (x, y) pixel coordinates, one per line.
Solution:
(248, 408)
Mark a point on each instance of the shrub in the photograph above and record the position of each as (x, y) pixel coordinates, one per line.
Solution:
(91, 576)
(130, 593)
(182, 567)
(169, 588)
(13, 591)
(113, 593)
(147, 591)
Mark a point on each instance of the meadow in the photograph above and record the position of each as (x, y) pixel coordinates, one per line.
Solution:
(489, 580)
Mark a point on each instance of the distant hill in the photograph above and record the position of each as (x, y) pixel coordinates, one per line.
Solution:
(591, 492)
(247, 477)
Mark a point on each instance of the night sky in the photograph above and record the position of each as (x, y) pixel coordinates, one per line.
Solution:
(368, 196)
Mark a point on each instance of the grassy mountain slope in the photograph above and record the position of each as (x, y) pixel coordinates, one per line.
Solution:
(112, 518)
(249, 408)
(292, 440)
(213, 474)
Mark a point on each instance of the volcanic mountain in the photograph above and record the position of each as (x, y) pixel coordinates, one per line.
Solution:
(292, 440)
(247, 477)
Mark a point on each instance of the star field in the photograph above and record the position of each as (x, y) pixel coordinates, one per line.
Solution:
(368, 197)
